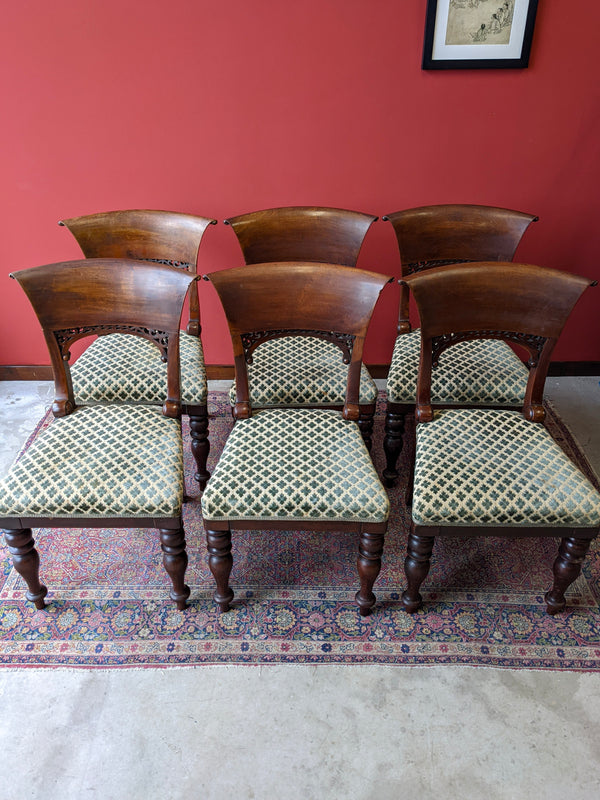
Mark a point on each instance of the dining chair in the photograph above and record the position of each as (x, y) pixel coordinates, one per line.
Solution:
(113, 465)
(129, 369)
(296, 468)
(495, 472)
(477, 373)
(289, 372)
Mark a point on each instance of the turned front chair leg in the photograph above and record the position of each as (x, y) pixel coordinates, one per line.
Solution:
(220, 562)
(370, 550)
(392, 446)
(175, 560)
(26, 561)
(365, 424)
(200, 447)
(567, 567)
(416, 567)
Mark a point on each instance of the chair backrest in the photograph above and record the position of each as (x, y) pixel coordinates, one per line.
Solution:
(431, 236)
(165, 237)
(523, 304)
(75, 299)
(301, 233)
(328, 301)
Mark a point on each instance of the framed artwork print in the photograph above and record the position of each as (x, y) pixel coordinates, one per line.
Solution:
(478, 34)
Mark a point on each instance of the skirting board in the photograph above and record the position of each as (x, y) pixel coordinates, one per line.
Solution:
(215, 372)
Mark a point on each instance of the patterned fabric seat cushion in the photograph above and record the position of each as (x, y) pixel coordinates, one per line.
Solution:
(483, 467)
(295, 464)
(124, 368)
(301, 371)
(99, 461)
(478, 372)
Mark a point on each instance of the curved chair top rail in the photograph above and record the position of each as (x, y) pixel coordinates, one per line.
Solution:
(298, 295)
(75, 299)
(520, 303)
(302, 233)
(140, 234)
(106, 291)
(457, 231)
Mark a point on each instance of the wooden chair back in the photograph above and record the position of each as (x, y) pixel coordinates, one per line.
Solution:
(328, 301)
(301, 233)
(522, 304)
(76, 299)
(430, 236)
(166, 237)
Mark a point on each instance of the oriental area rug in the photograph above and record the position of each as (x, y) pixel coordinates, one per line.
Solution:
(109, 605)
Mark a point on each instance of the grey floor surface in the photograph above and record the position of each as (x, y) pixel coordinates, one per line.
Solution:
(287, 732)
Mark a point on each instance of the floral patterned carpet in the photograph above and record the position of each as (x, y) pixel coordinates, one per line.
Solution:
(109, 606)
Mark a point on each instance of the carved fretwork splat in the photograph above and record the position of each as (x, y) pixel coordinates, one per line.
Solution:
(67, 336)
(171, 263)
(419, 266)
(250, 341)
(534, 344)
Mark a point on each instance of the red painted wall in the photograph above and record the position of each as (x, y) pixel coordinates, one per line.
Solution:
(221, 108)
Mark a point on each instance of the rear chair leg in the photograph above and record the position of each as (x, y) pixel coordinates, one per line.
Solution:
(200, 446)
(365, 424)
(392, 445)
(26, 561)
(567, 567)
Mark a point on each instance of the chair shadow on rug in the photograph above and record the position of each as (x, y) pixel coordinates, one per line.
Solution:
(129, 369)
(293, 372)
(481, 372)
(296, 468)
(495, 472)
(109, 465)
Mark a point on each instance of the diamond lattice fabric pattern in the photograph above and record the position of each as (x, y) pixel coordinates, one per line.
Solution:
(99, 461)
(480, 372)
(124, 368)
(296, 464)
(493, 467)
(301, 371)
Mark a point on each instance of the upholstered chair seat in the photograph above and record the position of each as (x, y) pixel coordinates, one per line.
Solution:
(298, 465)
(485, 372)
(128, 369)
(486, 467)
(301, 372)
(100, 461)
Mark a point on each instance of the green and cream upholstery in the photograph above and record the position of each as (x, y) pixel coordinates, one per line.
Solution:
(295, 464)
(478, 372)
(100, 461)
(301, 371)
(477, 467)
(128, 369)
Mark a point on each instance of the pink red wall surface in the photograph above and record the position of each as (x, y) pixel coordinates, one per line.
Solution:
(217, 108)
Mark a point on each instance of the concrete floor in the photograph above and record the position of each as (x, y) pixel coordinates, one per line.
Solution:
(285, 732)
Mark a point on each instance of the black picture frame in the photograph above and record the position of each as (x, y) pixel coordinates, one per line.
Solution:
(482, 52)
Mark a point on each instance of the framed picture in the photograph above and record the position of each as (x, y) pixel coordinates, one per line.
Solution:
(478, 34)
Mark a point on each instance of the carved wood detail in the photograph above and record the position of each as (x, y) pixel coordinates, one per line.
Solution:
(534, 344)
(419, 266)
(67, 336)
(251, 340)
